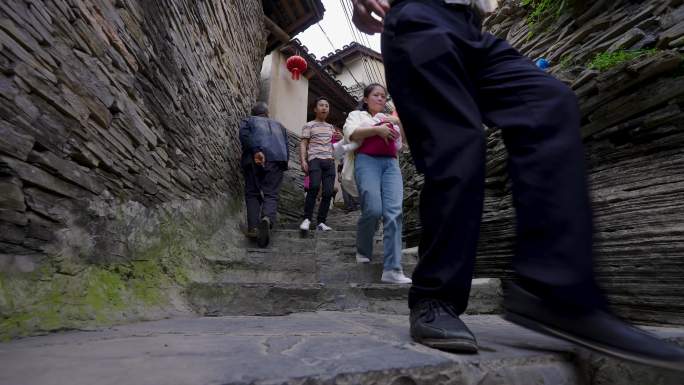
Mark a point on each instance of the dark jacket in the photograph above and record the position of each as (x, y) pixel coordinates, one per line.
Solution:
(259, 133)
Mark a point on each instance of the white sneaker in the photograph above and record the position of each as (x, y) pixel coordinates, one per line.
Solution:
(305, 225)
(361, 259)
(393, 276)
(323, 227)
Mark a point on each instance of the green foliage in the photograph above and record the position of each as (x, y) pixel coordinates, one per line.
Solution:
(567, 62)
(608, 60)
(544, 12)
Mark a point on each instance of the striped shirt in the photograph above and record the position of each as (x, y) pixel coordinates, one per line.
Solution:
(320, 139)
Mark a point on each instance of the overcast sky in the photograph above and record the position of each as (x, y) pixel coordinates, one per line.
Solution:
(337, 28)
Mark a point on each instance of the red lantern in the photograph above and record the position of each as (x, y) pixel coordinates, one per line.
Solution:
(297, 65)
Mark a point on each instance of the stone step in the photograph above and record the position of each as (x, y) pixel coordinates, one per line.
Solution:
(336, 234)
(290, 265)
(266, 265)
(336, 226)
(345, 255)
(295, 233)
(282, 298)
(258, 298)
(352, 272)
(279, 268)
(321, 241)
(319, 348)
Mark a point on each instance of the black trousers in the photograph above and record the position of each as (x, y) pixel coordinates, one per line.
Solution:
(447, 78)
(321, 172)
(262, 191)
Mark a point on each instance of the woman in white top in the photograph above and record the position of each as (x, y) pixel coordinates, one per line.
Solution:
(378, 180)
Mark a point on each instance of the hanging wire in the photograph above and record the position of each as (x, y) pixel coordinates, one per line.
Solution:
(333, 50)
(326, 36)
(372, 61)
(373, 74)
(369, 74)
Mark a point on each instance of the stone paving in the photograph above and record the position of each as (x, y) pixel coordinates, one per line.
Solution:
(309, 348)
(301, 312)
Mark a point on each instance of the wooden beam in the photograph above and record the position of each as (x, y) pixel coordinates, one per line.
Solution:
(277, 31)
(300, 8)
(287, 7)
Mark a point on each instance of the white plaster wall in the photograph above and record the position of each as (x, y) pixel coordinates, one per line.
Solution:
(287, 98)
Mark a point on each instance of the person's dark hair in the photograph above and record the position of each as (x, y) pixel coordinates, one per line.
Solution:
(367, 91)
(318, 99)
(260, 109)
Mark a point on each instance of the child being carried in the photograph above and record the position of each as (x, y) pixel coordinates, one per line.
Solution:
(342, 147)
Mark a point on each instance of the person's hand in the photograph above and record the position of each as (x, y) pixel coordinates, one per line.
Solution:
(386, 132)
(392, 119)
(260, 158)
(362, 15)
(305, 167)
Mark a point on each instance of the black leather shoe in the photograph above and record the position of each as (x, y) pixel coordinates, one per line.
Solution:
(596, 329)
(264, 232)
(436, 324)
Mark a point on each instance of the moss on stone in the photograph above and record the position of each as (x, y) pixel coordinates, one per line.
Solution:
(101, 295)
(544, 12)
(104, 290)
(607, 60)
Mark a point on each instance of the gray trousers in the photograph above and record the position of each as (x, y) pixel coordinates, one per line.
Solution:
(262, 191)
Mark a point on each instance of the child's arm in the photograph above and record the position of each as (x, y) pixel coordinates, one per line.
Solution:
(352, 146)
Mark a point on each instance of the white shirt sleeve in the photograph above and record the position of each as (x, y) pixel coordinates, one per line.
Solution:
(354, 120)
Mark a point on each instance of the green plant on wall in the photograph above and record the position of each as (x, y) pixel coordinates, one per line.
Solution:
(545, 11)
(608, 60)
(567, 62)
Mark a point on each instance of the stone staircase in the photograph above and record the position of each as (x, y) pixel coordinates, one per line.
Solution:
(302, 312)
(314, 271)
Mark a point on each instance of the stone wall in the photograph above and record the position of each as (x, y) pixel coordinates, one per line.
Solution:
(291, 204)
(633, 128)
(118, 143)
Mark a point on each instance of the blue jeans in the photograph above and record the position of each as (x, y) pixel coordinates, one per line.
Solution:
(381, 193)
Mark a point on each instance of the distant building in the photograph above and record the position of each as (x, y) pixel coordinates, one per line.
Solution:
(341, 76)
(356, 66)
(291, 100)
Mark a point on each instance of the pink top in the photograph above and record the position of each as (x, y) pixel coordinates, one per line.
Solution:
(376, 146)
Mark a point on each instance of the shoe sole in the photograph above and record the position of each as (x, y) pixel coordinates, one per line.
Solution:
(537, 326)
(453, 346)
(263, 236)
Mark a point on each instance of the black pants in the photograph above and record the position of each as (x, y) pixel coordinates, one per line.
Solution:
(262, 191)
(447, 78)
(321, 171)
